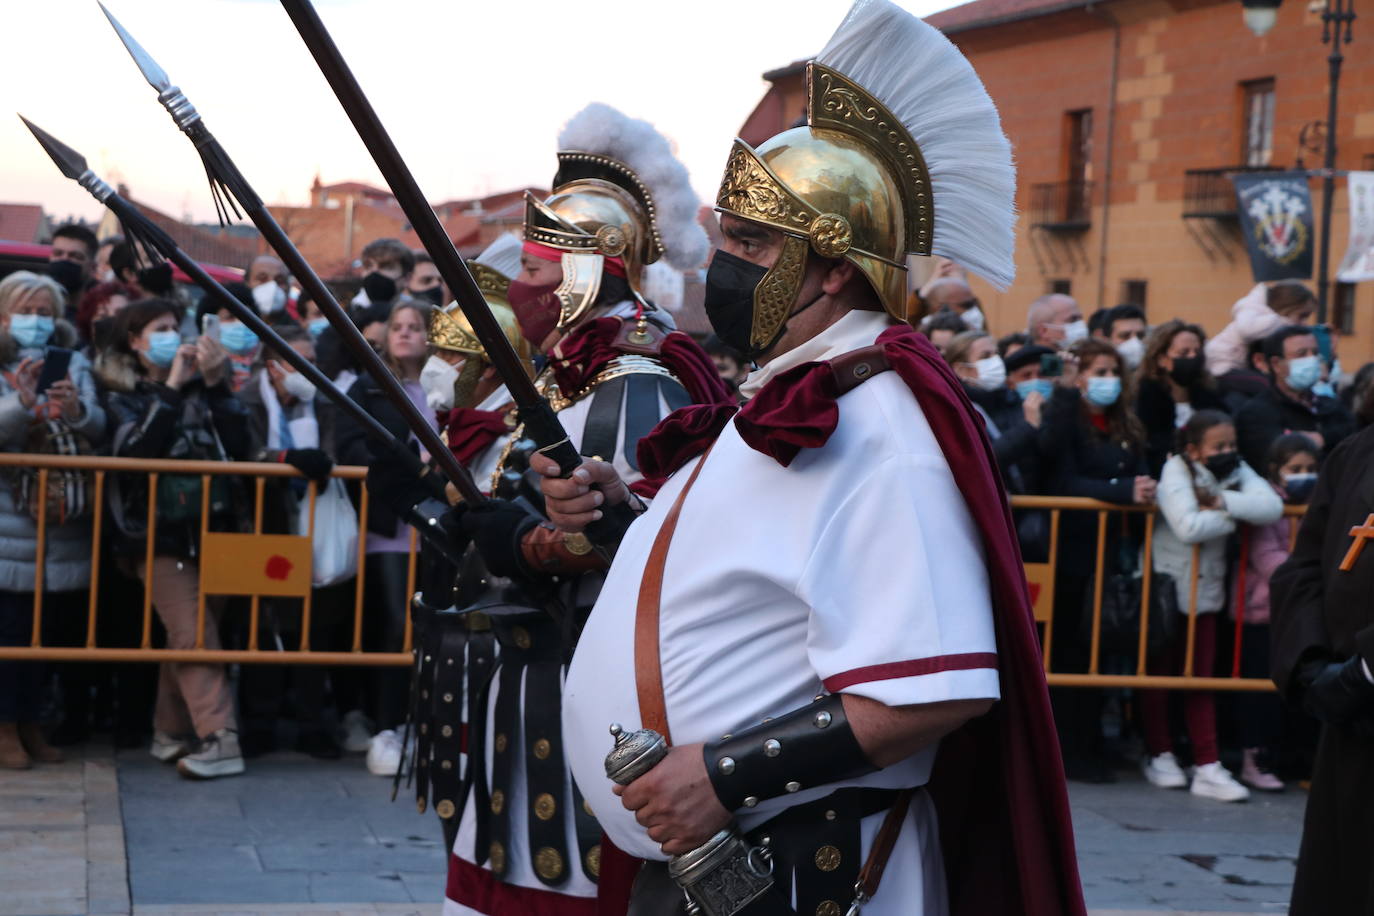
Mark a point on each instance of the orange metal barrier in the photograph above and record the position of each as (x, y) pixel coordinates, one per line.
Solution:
(230, 564)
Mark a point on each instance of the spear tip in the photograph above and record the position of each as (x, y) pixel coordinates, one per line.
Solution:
(155, 75)
(71, 163)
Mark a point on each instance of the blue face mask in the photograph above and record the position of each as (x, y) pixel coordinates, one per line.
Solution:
(1304, 372)
(1104, 390)
(30, 331)
(1044, 386)
(237, 339)
(1324, 390)
(317, 326)
(162, 348)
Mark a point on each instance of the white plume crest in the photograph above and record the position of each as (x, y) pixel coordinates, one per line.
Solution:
(603, 130)
(924, 80)
(503, 255)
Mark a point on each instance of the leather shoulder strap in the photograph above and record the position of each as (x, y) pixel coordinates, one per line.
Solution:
(854, 368)
(653, 710)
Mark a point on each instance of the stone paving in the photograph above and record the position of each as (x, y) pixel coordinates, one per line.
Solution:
(296, 835)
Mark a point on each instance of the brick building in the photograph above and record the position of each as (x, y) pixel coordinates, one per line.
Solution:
(1126, 117)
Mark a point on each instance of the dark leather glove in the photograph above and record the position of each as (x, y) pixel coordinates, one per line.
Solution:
(1338, 692)
(495, 527)
(398, 480)
(312, 462)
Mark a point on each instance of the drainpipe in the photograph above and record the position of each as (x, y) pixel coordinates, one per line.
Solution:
(1107, 165)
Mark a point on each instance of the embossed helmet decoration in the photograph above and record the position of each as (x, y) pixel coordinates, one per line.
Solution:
(903, 153)
(621, 200)
(449, 328)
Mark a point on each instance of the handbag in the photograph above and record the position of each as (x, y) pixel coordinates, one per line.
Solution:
(66, 491)
(1121, 601)
(335, 545)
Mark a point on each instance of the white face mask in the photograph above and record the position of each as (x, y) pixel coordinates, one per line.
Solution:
(298, 386)
(1132, 352)
(269, 297)
(1075, 331)
(992, 374)
(974, 319)
(438, 379)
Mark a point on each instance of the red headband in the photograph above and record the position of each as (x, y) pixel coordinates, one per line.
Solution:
(613, 266)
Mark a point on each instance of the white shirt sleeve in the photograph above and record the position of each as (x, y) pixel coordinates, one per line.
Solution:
(897, 584)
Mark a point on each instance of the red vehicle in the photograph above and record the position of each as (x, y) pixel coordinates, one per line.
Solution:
(26, 256)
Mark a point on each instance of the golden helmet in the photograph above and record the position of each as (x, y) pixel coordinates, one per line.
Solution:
(449, 328)
(621, 194)
(903, 153)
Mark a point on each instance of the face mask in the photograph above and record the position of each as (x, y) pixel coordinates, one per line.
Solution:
(162, 348)
(1075, 331)
(1223, 464)
(1042, 386)
(437, 378)
(1104, 390)
(68, 276)
(298, 386)
(237, 339)
(992, 374)
(30, 331)
(1324, 390)
(1132, 352)
(434, 295)
(156, 279)
(974, 319)
(1298, 487)
(1304, 372)
(379, 287)
(536, 309)
(729, 301)
(269, 297)
(318, 326)
(1187, 370)
(100, 332)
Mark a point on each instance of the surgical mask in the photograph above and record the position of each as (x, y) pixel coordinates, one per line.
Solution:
(1304, 372)
(298, 386)
(270, 298)
(31, 331)
(1132, 351)
(379, 287)
(974, 319)
(1104, 390)
(729, 301)
(992, 374)
(317, 326)
(1075, 331)
(437, 378)
(1298, 487)
(1324, 390)
(1223, 464)
(162, 348)
(1042, 386)
(237, 338)
(537, 309)
(1187, 370)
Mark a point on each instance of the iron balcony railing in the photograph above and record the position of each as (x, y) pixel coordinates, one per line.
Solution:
(1064, 206)
(1209, 193)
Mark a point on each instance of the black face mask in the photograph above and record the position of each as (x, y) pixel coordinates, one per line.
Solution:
(434, 294)
(380, 288)
(729, 301)
(1223, 464)
(157, 279)
(1187, 370)
(101, 331)
(68, 276)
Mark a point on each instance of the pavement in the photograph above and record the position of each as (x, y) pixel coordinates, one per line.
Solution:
(108, 833)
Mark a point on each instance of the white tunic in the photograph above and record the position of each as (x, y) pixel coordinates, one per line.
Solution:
(857, 570)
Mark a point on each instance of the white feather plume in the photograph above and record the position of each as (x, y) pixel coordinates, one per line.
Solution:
(503, 255)
(923, 79)
(603, 130)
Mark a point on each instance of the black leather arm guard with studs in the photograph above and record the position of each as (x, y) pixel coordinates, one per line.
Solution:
(805, 748)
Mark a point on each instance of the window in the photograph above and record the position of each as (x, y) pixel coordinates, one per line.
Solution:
(1060, 287)
(1343, 308)
(1258, 131)
(1134, 292)
(1079, 164)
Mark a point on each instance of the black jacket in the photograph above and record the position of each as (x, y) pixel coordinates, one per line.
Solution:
(1271, 414)
(351, 445)
(1240, 385)
(1017, 444)
(1154, 405)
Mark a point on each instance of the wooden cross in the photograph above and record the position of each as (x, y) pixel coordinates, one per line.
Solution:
(1361, 534)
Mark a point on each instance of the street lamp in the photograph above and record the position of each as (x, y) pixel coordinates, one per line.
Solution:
(1260, 15)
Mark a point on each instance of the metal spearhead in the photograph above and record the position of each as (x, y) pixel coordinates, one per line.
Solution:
(154, 74)
(69, 161)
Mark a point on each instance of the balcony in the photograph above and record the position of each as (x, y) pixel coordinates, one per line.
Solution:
(1209, 193)
(1062, 206)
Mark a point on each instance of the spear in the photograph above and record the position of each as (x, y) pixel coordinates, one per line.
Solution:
(231, 191)
(541, 423)
(140, 228)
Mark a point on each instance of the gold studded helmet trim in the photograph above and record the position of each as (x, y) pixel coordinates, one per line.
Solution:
(449, 328)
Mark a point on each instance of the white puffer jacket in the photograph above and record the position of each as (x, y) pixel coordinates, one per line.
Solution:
(1245, 497)
(1251, 319)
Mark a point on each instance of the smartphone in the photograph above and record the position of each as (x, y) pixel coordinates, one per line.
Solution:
(1051, 366)
(1324, 348)
(209, 326)
(56, 362)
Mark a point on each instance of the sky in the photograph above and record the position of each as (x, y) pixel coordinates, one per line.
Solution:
(472, 93)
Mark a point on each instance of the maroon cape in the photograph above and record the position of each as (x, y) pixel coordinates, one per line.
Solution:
(998, 782)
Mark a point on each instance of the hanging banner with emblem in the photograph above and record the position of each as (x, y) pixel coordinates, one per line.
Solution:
(1276, 219)
(1358, 264)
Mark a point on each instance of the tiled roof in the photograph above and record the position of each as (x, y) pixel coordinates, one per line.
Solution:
(22, 222)
(206, 247)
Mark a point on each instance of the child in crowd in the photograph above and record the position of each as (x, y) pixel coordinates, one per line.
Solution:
(1204, 490)
(1292, 473)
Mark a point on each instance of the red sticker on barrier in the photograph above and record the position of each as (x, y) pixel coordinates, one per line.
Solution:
(278, 567)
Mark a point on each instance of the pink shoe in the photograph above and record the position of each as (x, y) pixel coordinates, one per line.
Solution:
(1256, 776)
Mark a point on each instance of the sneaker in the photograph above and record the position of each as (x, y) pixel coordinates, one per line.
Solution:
(1214, 781)
(357, 738)
(218, 755)
(384, 753)
(1256, 775)
(1163, 771)
(169, 748)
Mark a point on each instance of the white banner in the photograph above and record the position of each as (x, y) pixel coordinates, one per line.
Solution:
(1358, 264)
